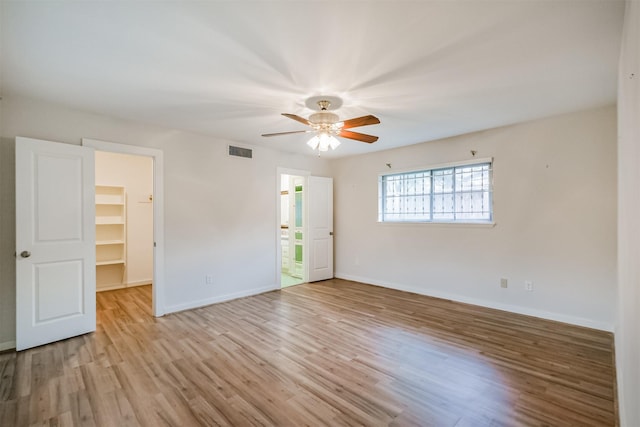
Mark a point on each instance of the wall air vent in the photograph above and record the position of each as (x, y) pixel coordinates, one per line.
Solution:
(240, 152)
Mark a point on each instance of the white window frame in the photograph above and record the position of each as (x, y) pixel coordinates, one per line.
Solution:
(431, 169)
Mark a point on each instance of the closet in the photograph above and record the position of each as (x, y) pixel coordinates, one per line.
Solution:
(124, 220)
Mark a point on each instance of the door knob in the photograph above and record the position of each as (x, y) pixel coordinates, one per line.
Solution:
(25, 254)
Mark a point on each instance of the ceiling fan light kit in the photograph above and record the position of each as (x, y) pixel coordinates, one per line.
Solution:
(327, 125)
(323, 141)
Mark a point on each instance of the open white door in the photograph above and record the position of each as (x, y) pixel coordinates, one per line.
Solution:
(55, 242)
(320, 197)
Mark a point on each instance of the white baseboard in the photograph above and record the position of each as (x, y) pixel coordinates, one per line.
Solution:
(221, 298)
(110, 288)
(558, 317)
(7, 345)
(124, 285)
(139, 283)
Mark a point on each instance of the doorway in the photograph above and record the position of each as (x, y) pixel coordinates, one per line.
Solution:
(292, 229)
(129, 275)
(124, 221)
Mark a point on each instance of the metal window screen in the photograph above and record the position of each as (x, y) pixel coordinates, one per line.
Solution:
(461, 193)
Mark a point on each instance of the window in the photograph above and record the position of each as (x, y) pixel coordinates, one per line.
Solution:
(448, 194)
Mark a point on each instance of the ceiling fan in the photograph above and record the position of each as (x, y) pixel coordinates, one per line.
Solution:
(327, 125)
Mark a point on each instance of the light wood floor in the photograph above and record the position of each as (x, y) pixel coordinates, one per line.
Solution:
(333, 353)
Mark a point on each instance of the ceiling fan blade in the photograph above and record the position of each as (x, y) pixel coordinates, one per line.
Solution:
(358, 136)
(286, 133)
(360, 121)
(297, 118)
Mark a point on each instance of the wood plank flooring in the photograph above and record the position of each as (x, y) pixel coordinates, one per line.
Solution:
(333, 353)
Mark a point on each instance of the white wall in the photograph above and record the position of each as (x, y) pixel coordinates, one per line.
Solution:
(555, 213)
(220, 211)
(135, 173)
(628, 319)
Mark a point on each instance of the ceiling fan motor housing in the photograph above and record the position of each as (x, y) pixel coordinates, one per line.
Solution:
(325, 121)
(324, 117)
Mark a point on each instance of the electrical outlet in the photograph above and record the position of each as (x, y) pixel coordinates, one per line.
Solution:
(528, 285)
(208, 279)
(503, 283)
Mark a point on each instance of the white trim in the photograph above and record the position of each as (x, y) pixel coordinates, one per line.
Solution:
(110, 288)
(287, 171)
(7, 345)
(125, 285)
(618, 347)
(439, 224)
(222, 298)
(438, 166)
(558, 317)
(158, 211)
(139, 283)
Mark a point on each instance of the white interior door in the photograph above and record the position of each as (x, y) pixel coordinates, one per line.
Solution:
(55, 242)
(320, 197)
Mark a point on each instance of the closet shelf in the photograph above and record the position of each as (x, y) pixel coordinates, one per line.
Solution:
(110, 262)
(111, 236)
(109, 242)
(100, 221)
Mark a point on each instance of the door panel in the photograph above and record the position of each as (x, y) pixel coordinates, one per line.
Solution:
(320, 228)
(55, 242)
(321, 254)
(51, 280)
(57, 184)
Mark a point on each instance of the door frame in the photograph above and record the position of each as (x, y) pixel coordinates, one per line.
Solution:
(158, 304)
(305, 174)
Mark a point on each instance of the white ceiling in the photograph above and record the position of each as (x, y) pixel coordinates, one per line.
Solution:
(427, 69)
